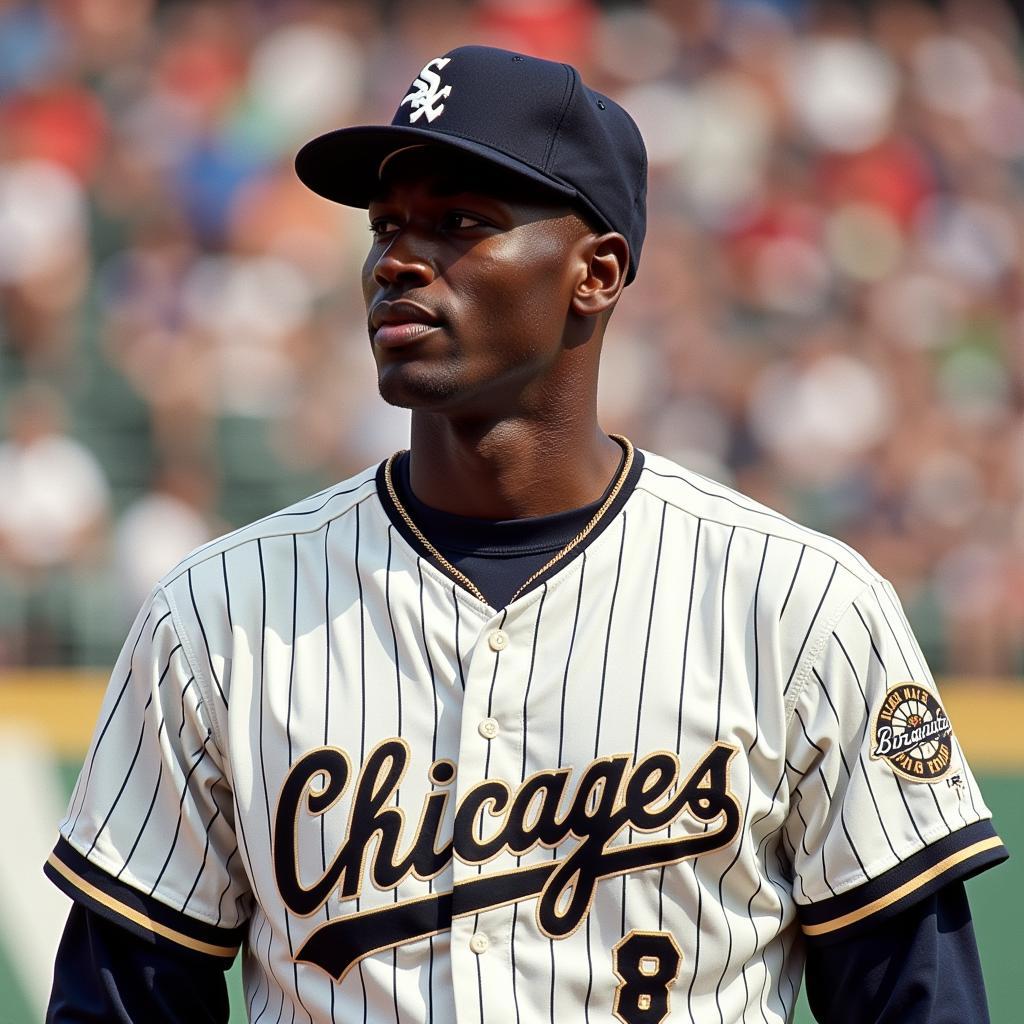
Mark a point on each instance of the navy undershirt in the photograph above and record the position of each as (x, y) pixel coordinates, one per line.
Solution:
(919, 967)
(499, 555)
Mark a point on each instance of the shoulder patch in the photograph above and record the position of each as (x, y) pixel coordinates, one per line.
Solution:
(913, 733)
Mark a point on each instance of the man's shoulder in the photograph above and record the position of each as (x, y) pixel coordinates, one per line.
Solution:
(308, 515)
(714, 502)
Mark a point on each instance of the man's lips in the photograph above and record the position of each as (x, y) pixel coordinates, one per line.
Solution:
(399, 323)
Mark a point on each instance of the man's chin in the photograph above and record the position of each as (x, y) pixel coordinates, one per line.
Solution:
(410, 388)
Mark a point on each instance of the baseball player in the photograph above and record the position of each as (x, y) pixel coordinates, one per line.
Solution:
(524, 724)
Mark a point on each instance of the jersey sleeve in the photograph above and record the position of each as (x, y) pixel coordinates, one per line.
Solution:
(884, 810)
(149, 837)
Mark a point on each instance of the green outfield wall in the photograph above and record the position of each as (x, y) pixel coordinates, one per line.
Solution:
(46, 719)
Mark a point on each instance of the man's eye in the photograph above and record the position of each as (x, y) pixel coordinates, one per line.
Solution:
(455, 221)
(382, 226)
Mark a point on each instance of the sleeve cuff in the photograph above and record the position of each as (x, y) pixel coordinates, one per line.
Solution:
(960, 855)
(142, 914)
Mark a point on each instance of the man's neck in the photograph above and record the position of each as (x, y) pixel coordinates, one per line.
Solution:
(509, 469)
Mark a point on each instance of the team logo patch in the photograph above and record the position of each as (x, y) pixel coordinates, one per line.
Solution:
(913, 733)
(427, 92)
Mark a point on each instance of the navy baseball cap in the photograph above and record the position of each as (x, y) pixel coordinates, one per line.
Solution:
(529, 116)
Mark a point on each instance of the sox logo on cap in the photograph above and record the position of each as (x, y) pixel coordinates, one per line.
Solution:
(427, 92)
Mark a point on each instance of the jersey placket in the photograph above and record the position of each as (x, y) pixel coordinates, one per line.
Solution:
(490, 748)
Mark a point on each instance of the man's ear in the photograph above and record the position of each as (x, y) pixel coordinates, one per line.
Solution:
(604, 261)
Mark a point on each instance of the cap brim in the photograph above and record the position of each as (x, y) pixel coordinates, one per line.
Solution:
(344, 165)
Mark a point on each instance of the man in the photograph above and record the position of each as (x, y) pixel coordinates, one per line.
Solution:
(524, 724)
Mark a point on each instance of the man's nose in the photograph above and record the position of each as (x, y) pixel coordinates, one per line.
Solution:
(405, 259)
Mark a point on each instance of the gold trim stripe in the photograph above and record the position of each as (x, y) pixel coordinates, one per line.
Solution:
(908, 887)
(136, 916)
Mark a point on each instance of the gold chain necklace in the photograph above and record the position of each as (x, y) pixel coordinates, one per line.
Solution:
(461, 577)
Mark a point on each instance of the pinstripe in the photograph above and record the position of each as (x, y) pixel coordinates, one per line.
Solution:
(792, 582)
(696, 952)
(643, 677)
(291, 660)
(458, 649)
(721, 650)
(135, 756)
(718, 728)
(777, 888)
(561, 747)
(597, 737)
(227, 588)
(682, 691)
(362, 706)
(398, 732)
(860, 745)
(243, 844)
(433, 756)
(269, 974)
(885, 673)
(810, 627)
(288, 736)
(686, 636)
(608, 638)
(87, 770)
(824, 783)
(757, 647)
(803, 841)
(328, 663)
(328, 660)
(199, 756)
(256, 946)
(227, 887)
(261, 754)
(149, 812)
(721, 901)
(529, 680)
(791, 853)
(750, 779)
(206, 641)
(522, 776)
(568, 660)
(842, 757)
(188, 686)
(362, 647)
(261, 696)
(206, 853)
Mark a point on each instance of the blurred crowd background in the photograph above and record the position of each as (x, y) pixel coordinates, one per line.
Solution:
(829, 314)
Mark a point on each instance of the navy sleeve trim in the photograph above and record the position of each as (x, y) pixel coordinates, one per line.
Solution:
(957, 856)
(142, 914)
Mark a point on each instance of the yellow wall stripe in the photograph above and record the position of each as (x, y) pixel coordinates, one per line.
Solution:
(59, 707)
(904, 890)
(137, 916)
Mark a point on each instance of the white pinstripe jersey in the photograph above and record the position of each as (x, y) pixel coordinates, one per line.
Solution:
(633, 794)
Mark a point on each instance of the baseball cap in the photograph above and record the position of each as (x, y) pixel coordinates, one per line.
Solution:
(530, 116)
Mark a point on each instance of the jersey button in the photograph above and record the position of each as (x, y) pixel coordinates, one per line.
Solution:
(488, 728)
(479, 943)
(498, 640)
